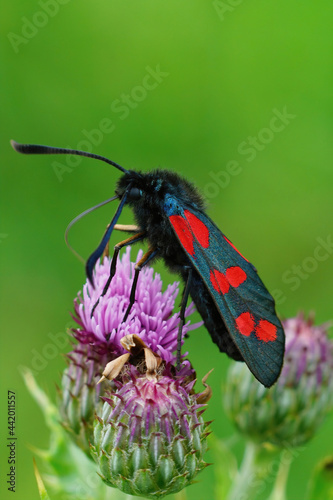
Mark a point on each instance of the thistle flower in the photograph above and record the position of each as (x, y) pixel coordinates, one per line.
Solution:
(151, 318)
(289, 413)
(150, 437)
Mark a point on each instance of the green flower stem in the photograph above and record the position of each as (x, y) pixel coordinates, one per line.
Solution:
(279, 490)
(246, 473)
(256, 473)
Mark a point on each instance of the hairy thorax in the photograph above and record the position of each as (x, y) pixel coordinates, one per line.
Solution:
(150, 213)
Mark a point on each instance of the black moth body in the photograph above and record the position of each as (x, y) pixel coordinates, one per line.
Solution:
(151, 217)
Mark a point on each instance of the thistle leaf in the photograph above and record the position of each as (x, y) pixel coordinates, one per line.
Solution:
(41, 488)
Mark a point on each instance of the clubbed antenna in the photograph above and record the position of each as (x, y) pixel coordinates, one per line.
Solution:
(36, 149)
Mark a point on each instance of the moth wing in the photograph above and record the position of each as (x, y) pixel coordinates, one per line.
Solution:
(244, 303)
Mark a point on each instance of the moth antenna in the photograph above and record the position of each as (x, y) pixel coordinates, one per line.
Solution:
(36, 149)
(80, 216)
(90, 264)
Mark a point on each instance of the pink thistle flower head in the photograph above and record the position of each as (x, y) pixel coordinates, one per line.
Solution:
(290, 412)
(308, 354)
(151, 317)
(149, 437)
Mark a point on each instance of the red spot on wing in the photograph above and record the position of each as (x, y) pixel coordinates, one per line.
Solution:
(199, 229)
(219, 281)
(245, 324)
(233, 246)
(183, 232)
(233, 276)
(236, 276)
(266, 331)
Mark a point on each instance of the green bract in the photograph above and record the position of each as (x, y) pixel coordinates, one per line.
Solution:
(79, 397)
(150, 438)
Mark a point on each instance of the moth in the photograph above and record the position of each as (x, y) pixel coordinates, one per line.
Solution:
(236, 308)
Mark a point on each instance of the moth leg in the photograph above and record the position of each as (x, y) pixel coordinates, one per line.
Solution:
(147, 257)
(182, 314)
(129, 228)
(129, 241)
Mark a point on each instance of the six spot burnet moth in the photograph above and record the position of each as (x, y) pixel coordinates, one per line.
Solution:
(236, 307)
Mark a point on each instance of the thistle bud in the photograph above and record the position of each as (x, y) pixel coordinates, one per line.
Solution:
(290, 412)
(150, 437)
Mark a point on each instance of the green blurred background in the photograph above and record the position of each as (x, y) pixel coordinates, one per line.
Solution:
(225, 72)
